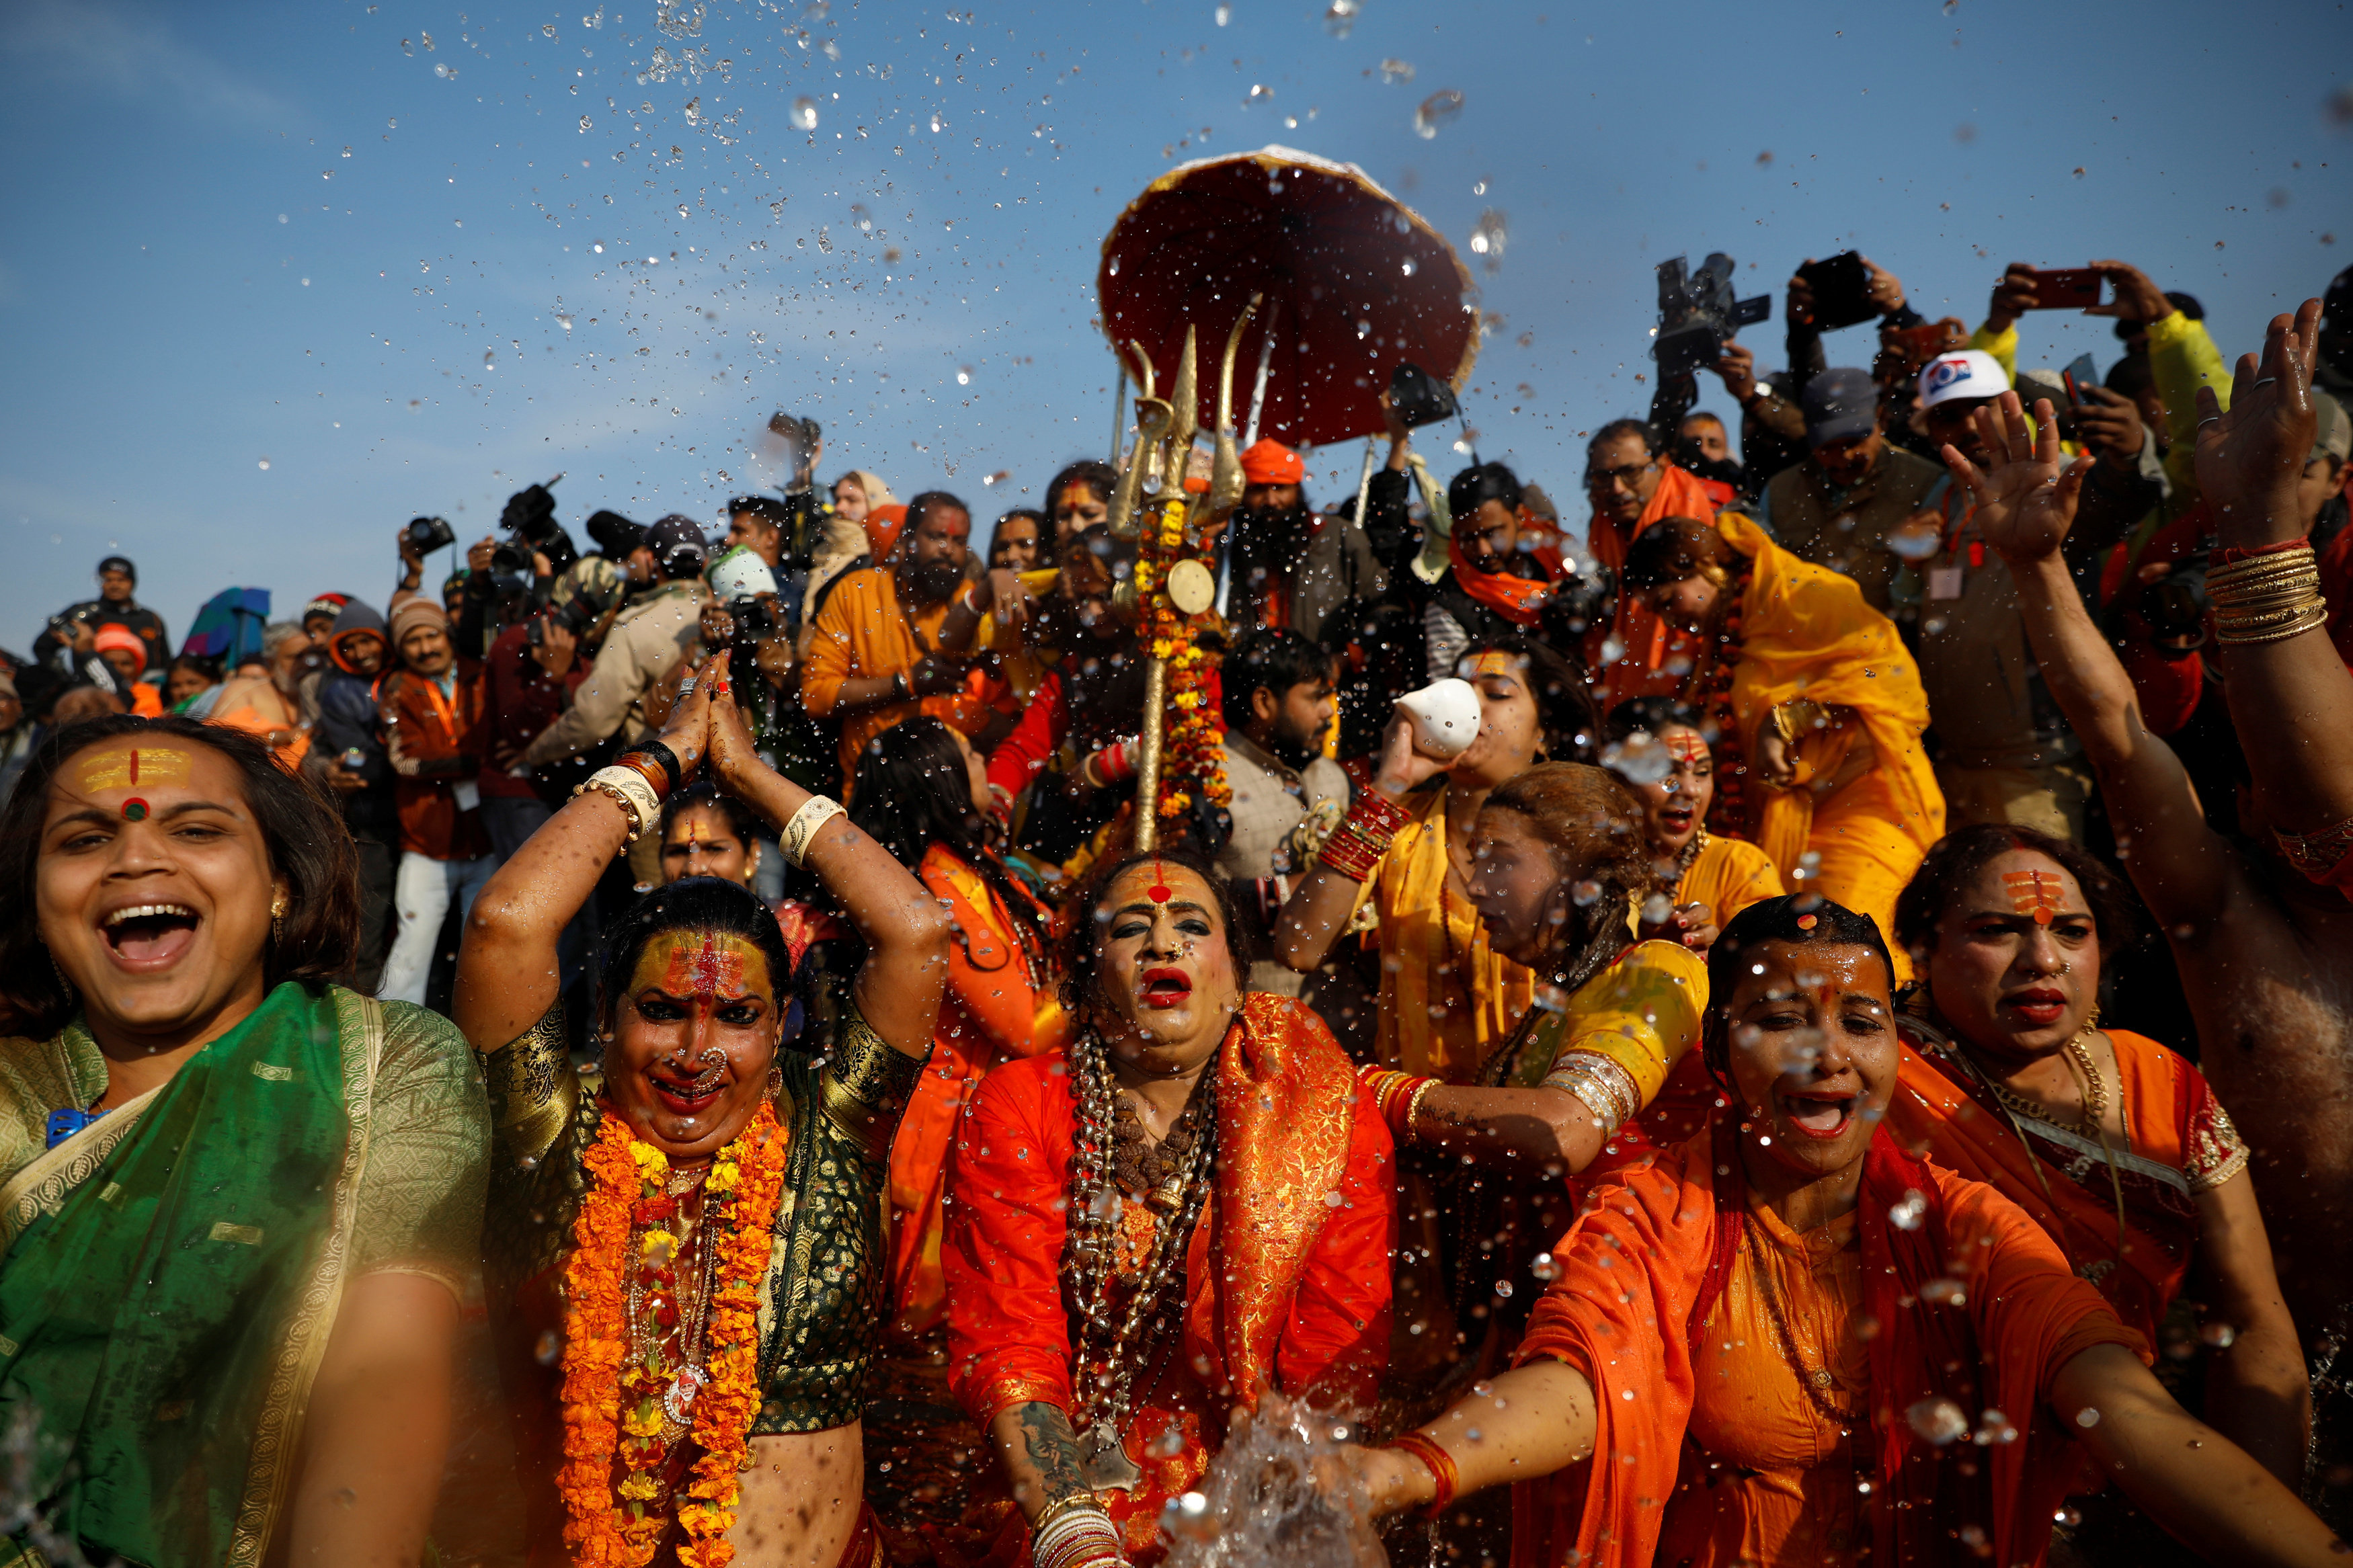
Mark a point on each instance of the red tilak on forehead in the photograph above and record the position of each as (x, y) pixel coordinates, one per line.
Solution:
(2035, 893)
(1159, 891)
(1686, 747)
(710, 969)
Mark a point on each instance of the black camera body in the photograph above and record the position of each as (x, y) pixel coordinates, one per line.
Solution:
(428, 534)
(2175, 605)
(614, 535)
(755, 620)
(575, 616)
(530, 516)
(1698, 315)
(511, 570)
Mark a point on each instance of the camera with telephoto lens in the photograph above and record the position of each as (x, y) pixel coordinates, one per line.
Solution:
(1698, 315)
(755, 620)
(428, 534)
(530, 516)
(574, 615)
(614, 535)
(511, 570)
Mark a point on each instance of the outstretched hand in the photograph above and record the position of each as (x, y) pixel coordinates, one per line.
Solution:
(2251, 459)
(2026, 504)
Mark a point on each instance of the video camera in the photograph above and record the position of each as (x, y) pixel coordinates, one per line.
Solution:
(574, 615)
(1698, 315)
(530, 516)
(614, 535)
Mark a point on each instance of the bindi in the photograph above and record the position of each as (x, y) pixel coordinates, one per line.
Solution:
(1159, 892)
(2035, 893)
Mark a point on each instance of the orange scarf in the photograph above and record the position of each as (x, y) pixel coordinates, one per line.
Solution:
(1646, 1262)
(1519, 600)
(1641, 669)
(1681, 493)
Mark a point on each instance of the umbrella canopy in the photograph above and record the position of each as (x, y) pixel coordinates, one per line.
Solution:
(229, 627)
(1355, 281)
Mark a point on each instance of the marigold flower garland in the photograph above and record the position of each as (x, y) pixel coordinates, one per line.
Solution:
(1193, 743)
(613, 1410)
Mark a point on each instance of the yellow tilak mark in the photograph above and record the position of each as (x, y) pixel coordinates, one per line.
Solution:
(134, 766)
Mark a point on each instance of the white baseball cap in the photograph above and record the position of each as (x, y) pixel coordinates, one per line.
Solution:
(741, 573)
(1970, 372)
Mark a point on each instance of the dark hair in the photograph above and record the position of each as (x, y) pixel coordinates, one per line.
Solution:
(1639, 428)
(1565, 715)
(1479, 483)
(694, 903)
(1593, 824)
(203, 665)
(2132, 375)
(741, 820)
(1956, 858)
(912, 791)
(1784, 919)
(1093, 472)
(1649, 715)
(1275, 658)
(301, 830)
(1082, 938)
(767, 508)
(1671, 549)
(1045, 527)
(926, 504)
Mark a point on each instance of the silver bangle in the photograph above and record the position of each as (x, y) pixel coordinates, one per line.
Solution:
(814, 814)
(1605, 1088)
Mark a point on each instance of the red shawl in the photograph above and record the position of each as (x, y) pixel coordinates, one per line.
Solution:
(1645, 1263)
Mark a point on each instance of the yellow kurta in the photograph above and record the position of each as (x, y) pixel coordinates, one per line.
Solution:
(1729, 874)
(1447, 998)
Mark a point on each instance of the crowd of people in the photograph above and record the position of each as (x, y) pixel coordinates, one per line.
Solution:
(1846, 1061)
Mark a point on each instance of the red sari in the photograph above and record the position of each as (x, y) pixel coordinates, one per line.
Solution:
(1646, 1266)
(1286, 1276)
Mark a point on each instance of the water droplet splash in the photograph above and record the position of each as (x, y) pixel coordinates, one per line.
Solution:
(804, 115)
(1441, 107)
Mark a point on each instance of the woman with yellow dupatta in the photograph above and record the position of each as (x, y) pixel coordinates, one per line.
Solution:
(1191, 1205)
(685, 1251)
(241, 1203)
(1788, 1343)
(1817, 703)
(2112, 1142)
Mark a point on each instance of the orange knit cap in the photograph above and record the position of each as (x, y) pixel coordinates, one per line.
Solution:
(882, 524)
(1269, 462)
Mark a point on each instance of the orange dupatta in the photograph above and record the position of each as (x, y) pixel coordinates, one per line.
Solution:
(1934, 1113)
(1807, 634)
(1646, 1262)
(1642, 671)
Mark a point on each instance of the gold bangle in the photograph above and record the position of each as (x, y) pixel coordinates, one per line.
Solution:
(2310, 620)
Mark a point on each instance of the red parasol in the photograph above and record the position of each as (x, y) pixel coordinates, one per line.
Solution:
(1355, 282)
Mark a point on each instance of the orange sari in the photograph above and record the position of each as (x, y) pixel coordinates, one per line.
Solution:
(1648, 647)
(1286, 1276)
(1648, 1274)
(2180, 1140)
(998, 1006)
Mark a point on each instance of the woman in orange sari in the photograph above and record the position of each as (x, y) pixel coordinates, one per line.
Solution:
(2114, 1144)
(1189, 1205)
(1787, 1341)
(1660, 750)
(1815, 703)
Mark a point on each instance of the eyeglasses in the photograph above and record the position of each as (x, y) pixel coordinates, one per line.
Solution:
(1602, 478)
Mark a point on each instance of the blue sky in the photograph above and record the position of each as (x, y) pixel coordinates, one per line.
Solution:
(279, 277)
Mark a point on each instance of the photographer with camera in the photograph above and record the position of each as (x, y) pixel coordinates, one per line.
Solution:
(890, 641)
(1837, 507)
(70, 638)
(348, 758)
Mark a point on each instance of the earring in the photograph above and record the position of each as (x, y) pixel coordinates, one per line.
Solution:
(278, 918)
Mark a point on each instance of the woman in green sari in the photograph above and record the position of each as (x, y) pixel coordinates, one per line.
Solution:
(237, 1202)
(684, 1249)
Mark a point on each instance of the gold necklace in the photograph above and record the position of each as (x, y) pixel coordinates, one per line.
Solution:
(1815, 1382)
(1690, 856)
(2092, 1114)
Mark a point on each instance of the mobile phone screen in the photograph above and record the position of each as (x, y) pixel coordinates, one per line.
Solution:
(2067, 288)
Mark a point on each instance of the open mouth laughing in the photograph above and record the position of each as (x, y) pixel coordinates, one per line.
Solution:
(148, 936)
(1817, 1112)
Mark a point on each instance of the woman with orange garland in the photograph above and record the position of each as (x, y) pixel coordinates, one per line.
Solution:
(686, 1255)
(1191, 1205)
(1788, 1341)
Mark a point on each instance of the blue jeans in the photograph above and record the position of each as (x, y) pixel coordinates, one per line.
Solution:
(421, 892)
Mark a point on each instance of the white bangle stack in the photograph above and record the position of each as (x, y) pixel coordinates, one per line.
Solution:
(1075, 1535)
(628, 788)
(815, 814)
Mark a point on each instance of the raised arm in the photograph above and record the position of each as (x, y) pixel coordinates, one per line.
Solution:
(2292, 697)
(1318, 908)
(2201, 1486)
(906, 930)
(2024, 508)
(507, 969)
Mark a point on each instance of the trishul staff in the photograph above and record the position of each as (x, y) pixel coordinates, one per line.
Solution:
(1172, 583)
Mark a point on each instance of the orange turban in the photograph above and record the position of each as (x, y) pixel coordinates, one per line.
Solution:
(115, 636)
(1269, 462)
(882, 524)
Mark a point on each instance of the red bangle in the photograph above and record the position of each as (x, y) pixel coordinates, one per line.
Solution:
(646, 768)
(1440, 1463)
(2230, 552)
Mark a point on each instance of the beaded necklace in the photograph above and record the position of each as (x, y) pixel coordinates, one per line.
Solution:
(1112, 1346)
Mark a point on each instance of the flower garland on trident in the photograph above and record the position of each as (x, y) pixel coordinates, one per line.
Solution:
(1193, 755)
(614, 1403)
